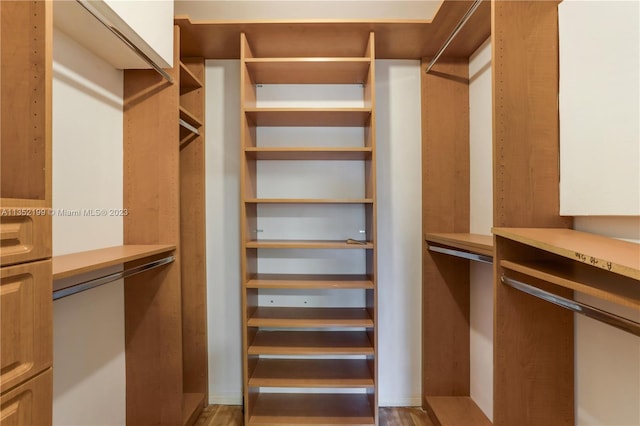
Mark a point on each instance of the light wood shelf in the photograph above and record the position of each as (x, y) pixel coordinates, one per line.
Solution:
(302, 409)
(309, 117)
(189, 117)
(311, 343)
(297, 153)
(582, 278)
(312, 373)
(308, 70)
(310, 317)
(309, 201)
(69, 265)
(188, 80)
(473, 243)
(310, 281)
(302, 244)
(192, 406)
(616, 256)
(455, 411)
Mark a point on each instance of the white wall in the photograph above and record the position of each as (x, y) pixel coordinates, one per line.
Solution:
(481, 221)
(399, 219)
(89, 369)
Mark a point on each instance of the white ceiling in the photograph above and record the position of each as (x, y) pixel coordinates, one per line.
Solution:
(245, 10)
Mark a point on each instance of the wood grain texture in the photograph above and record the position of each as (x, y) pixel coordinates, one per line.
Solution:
(295, 281)
(309, 70)
(192, 407)
(312, 373)
(445, 207)
(474, 243)
(310, 317)
(24, 238)
(455, 411)
(29, 403)
(153, 320)
(396, 39)
(311, 343)
(300, 153)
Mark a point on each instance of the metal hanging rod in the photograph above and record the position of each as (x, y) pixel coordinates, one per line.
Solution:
(124, 39)
(189, 127)
(454, 33)
(581, 308)
(462, 254)
(96, 282)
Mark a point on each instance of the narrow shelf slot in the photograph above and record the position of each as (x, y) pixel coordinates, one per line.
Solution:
(309, 117)
(462, 254)
(472, 243)
(192, 406)
(301, 409)
(295, 153)
(312, 373)
(310, 281)
(455, 411)
(309, 201)
(189, 127)
(188, 80)
(302, 244)
(310, 317)
(308, 70)
(189, 118)
(311, 343)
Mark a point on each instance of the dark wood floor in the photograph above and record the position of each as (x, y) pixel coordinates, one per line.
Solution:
(231, 415)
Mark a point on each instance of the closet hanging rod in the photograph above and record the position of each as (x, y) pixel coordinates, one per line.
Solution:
(96, 282)
(453, 34)
(586, 310)
(462, 254)
(124, 39)
(189, 127)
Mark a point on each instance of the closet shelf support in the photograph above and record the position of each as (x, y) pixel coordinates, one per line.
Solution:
(462, 254)
(189, 127)
(454, 33)
(578, 307)
(96, 282)
(131, 45)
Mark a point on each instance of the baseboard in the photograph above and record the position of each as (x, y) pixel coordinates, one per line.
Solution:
(409, 401)
(230, 398)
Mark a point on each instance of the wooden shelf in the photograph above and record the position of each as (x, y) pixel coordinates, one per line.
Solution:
(192, 406)
(455, 411)
(616, 256)
(190, 118)
(309, 201)
(188, 80)
(312, 373)
(308, 153)
(310, 317)
(308, 70)
(302, 244)
(310, 281)
(311, 343)
(69, 265)
(301, 409)
(309, 117)
(582, 278)
(473, 243)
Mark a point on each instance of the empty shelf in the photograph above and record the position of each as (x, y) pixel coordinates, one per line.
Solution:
(310, 317)
(188, 81)
(455, 411)
(192, 406)
(301, 409)
(309, 153)
(312, 373)
(309, 201)
(311, 343)
(310, 117)
(308, 70)
(304, 244)
(310, 281)
(473, 243)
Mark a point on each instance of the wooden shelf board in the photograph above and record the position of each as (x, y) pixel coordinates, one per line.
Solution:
(308, 70)
(318, 409)
(190, 118)
(298, 153)
(309, 117)
(455, 411)
(582, 278)
(310, 317)
(310, 281)
(311, 343)
(192, 406)
(188, 81)
(302, 244)
(309, 200)
(312, 373)
(69, 265)
(474, 243)
(619, 257)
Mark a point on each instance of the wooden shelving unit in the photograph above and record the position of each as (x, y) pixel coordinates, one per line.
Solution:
(472, 243)
(302, 332)
(455, 410)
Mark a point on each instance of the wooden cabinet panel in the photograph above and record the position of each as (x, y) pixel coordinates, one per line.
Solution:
(29, 404)
(25, 323)
(24, 238)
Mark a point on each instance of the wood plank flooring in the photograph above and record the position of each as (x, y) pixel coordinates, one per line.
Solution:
(231, 415)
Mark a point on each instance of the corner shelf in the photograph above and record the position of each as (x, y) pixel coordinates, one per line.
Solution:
(297, 153)
(308, 70)
(303, 244)
(311, 373)
(292, 281)
(310, 317)
(309, 117)
(311, 343)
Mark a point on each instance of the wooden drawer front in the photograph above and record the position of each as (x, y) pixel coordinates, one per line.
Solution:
(24, 238)
(30, 403)
(25, 322)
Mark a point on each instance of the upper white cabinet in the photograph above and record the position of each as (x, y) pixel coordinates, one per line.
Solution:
(599, 108)
(148, 24)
